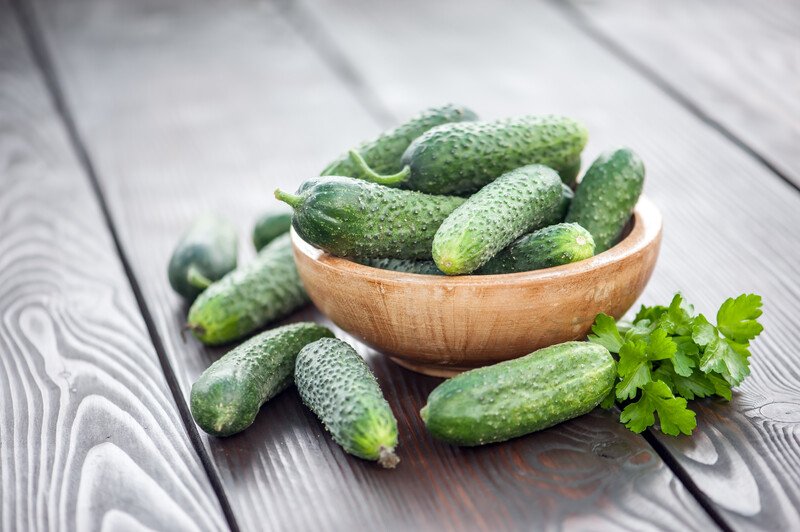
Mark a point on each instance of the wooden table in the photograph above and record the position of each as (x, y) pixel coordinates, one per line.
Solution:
(120, 121)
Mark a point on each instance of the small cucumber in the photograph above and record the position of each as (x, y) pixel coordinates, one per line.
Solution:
(249, 297)
(228, 395)
(517, 397)
(270, 226)
(607, 195)
(461, 158)
(550, 246)
(338, 386)
(205, 253)
(352, 218)
(515, 203)
(422, 267)
(383, 154)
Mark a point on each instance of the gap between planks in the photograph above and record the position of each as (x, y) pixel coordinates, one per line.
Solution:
(43, 61)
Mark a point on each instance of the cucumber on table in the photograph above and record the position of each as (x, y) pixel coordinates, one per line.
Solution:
(517, 397)
(338, 386)
(422, 267)
(517, 202)
(550, 246)
(461, 158)
(353, 218)
(249, 297)
(228, 395)
(607, 195)
(270, 226)
(205, 253)
(383, 154)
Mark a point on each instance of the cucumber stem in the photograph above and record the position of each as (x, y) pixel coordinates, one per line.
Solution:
(387, 459)
(293, 200)
(197, 279)
(374, 177)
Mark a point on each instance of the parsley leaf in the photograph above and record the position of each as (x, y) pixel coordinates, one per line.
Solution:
(606, 333)
(736, 318)
(685, 355)
(678, 317)
(660, 346)
(650, 313)
(633, 367)
(703, 333)
(674, 416)
(727, 358)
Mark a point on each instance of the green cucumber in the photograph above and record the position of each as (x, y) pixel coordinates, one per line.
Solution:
(228, 395)
(338, 386)
(422, 267)
(249, 297)
(270, 226)
(353, 218)
(205, 252)
(461, 158)
(517, 202)
(566, 200)
(383, 154)
(607, 195)
(569, 173)
(550, 246)
(517, 397)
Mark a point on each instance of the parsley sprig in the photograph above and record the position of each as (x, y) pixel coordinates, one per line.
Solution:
(669, 355)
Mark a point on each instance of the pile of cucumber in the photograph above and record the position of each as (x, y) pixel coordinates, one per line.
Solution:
(442, 194)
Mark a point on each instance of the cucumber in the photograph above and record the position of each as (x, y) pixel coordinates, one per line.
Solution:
(353, 218)
(383, 154)
(228, 395)
(569, 173)
(422, 267)
(607, 195)
(338, 386)
(249, 297)
(518, 202)
(205, 252)
(550, 246)
(270, 226)
(517, 397)
(461, 158)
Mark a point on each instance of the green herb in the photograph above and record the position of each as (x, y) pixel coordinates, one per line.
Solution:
(669, 355)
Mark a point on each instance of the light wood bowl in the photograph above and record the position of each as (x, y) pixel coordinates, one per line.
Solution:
(441, 325)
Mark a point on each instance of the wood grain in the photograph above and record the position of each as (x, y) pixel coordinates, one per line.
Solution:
(737, 60)
(194, 106)
(729, 223)
(90, 437)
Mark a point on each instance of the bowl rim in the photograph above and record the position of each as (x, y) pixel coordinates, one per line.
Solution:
(646, 229)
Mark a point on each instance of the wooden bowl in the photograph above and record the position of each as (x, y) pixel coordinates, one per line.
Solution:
(441, 325)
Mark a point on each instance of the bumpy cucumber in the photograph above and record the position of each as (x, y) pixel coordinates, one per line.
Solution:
(270, 226)
(517, 397)
(607, 195)
(422, 267)
(550, 246)
(461, 158)
(228, 395)
(383, 154)
(205, 253)
(338, 386)
(249, 297)
(353, 218)
(517, 202)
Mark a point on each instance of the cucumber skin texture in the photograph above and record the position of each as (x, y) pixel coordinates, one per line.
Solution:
(461, 158)
(550, 246)
(349, 217)
(421, 267)
(517, 202)
(228, 395)
(607, 195)
(338, 386)
(270, 226)
(517, 397)
(384, 153)
(249, 297)
(210, 246)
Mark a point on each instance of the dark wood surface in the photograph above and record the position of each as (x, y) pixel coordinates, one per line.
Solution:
(90, 435)
(736, 60)
(184, 107)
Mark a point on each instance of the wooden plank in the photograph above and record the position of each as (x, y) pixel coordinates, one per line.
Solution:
(737, 60)
(90, 436)
(730, 224)
(189, 107)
